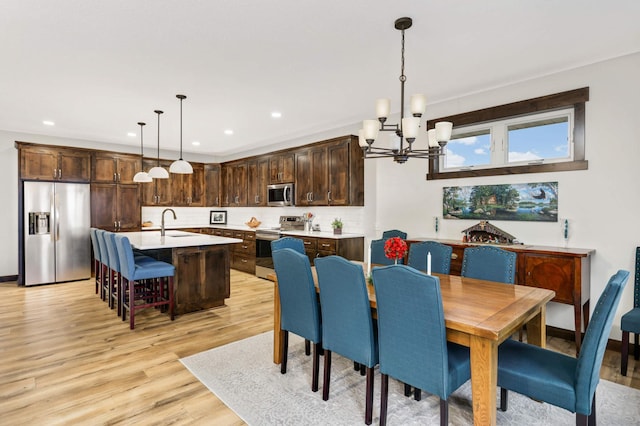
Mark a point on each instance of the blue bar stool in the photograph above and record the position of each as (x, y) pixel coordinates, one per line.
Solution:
(144, 284)
(105, 270)
(97, 261)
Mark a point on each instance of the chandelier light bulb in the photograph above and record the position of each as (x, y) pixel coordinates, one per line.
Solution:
(418, 104)
(383, 108)
(443, 131)
(370, 130)
(410, 126)
(433, 142)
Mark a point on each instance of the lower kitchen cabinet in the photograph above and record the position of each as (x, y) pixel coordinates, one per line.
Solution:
(244, 254)
(349, 248)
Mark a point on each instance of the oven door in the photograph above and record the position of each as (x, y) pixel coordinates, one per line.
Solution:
(264, 261)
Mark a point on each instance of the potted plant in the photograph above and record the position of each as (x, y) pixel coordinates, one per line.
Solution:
(337, 226)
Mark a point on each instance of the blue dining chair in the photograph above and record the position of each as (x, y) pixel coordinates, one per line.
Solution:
(413, 338)
(115, 271)
(288, 242)
(377, 253)
(144, 284)
(394, 233)
(440, 256)
(489, 263)
(97, 262)
(105, 270)
(299, 308)
(556, 378)
(630, 322)
(347, 326)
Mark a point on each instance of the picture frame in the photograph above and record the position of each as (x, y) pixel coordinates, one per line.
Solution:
(218, 217)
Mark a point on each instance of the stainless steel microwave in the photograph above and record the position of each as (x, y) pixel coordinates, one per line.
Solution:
(280, 195)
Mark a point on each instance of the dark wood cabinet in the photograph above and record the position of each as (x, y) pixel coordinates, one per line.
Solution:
(282, 168)
(202, 278)
(244, 254)
(349, 248)
(257, 181)
(188, 189)
(339, 176)
(54, 163)
(108, 167)
(312, 180)
(234, 184)
(115, 207)
(158, 192)
(212, 181)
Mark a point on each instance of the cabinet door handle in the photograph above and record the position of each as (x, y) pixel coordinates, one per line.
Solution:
(454, 256)
(329, 196)
(257, 198)
(55, 173)
(119, 180)
(59, 173)
(244, 260)
(245, 247)
(115, 177)
(216, 203)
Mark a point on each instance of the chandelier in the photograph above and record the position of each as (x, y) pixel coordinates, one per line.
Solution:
(407, 129)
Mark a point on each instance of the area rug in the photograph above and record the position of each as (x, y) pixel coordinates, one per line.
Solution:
(243, 375)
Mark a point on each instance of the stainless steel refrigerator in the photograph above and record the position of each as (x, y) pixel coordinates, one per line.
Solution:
(57, 245)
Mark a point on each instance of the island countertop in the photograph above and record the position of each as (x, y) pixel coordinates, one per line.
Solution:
(148, 240)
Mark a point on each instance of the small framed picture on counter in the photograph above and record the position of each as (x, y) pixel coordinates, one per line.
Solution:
(218, 217)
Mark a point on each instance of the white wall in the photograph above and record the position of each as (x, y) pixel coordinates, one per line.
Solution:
(601, 203)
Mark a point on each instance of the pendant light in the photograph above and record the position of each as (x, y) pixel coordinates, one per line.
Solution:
(142, 176)
(158, 172)
(181, 166)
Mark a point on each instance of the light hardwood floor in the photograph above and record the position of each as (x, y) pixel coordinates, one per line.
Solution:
(65, 358)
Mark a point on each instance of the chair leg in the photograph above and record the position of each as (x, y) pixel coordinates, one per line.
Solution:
(624, 353)
(407, 390)
(363, 369)
(316, 367)
(285, 347)
(171, 308)
(417, 394)
(592, 416)
(327, 375)
(368, 411)
(132, 310)
(384, 396)
(307, 347)
(356, 366)
(636, 347)
(504, 399)
(444, 412)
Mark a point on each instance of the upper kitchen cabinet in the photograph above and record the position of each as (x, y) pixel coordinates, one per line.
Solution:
(114, 168)
(54, 163)
(257, 181)
(312, 182)
(234, 184)
(158, 192)
(115, 207)
(330, 173)
(188, 189)
(282, 168)
(212, 180)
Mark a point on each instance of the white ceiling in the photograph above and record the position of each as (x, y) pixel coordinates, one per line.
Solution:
(97, 67)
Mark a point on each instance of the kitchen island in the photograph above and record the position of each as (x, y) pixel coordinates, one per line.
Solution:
(202, 279)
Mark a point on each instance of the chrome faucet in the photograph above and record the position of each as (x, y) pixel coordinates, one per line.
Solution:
(162, 223)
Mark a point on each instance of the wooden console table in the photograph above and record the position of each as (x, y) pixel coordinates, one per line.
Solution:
(563, 270)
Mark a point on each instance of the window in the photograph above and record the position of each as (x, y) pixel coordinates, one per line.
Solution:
(537, 135)
(532, 139)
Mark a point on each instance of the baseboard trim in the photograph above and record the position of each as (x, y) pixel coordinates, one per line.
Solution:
(614, 345)
(6, 278)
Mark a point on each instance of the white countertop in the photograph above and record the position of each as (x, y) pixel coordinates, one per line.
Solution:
(147, 240)
(317, 234)
(321, 234)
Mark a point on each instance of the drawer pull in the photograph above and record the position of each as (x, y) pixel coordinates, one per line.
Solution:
(307, 243)
(454, 256)
(326, 245)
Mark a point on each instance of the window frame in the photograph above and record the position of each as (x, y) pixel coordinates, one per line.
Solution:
(575, 99)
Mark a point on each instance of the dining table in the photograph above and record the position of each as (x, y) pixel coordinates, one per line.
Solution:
(478, 314)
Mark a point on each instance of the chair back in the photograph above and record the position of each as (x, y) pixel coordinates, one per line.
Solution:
(125, 257)
(347, 326)
(595, 340)
(440, 256)
(299, 310)
(102, 244)
(489, 263)
(110, 241)
(288, 242)
(394, 233)
(94, 244)
(411, 329)
(377, 253)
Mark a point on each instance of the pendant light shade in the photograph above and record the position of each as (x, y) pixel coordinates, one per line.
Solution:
(158, 172)
(181, 166)
(142, 176)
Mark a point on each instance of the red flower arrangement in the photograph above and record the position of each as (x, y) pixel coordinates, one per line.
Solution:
(395, 248)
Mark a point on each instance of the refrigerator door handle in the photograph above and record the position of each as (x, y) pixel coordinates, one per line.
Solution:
(57, 219)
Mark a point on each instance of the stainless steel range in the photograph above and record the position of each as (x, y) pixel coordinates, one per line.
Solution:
(264, 261)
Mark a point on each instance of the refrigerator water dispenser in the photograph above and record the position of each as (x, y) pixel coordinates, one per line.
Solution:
(39, 223)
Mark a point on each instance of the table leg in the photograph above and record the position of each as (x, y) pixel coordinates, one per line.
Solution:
(484, 379)
(277, 332)
(537, 329)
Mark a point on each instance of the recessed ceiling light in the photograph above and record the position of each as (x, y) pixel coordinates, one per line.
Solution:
(228, 132)
(48, 123)
(276, 114)
(131, 135)
(195, 143)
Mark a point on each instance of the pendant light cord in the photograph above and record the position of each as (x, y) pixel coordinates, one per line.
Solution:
(158, 112)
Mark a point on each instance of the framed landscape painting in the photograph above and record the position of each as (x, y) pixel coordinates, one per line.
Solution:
(218, 217)
(536, 202)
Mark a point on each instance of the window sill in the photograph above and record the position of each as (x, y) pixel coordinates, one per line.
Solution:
(513, 170)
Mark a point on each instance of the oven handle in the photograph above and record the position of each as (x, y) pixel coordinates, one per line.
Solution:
(267, 237)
